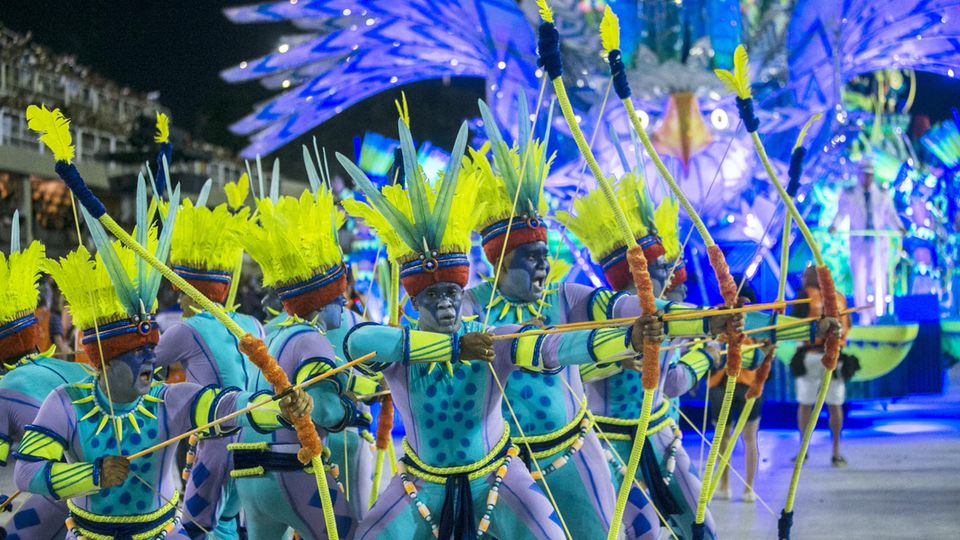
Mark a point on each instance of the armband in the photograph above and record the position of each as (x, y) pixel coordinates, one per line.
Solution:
(39, 444)
(428, 347)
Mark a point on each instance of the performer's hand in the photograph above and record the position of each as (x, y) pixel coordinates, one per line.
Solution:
(633, 362)
(724, 324)
(297, 404)
(536, 321)
(716, 358)
(477, 346)
(113, 471)
(767, 346)
(646, 328)
(828, 326)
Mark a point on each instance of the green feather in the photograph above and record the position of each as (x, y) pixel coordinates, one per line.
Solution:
(419, 201)
(115, 270)
(151, 288)
(312, 175)
(403, 227)
(501, 152)
(441, 209)
(204, 193)
(142, 228)
(275, 181)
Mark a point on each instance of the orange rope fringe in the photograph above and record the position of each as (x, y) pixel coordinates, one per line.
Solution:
(831, 308)
(256, 350)
(637, 262)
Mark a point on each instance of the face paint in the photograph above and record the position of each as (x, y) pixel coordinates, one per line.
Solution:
(677, 294)
(129, 375)
(525, 272)
(659, 274)
(439, 307)
(332, 313)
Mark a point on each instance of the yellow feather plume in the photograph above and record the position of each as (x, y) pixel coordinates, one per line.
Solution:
(86, 284)
(609, 31)
(738, 80)
(207, 238)
(163, 128)
(545, 12)
(559, 268)
(497, 198)
(465, 210)
(236, 192)
(294, 239)
(19, 275)
(806, 127)
(666, 217)
(54, 130)
(593, 224)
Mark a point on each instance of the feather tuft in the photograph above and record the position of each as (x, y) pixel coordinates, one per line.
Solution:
(402, 109)
(163, 128)
(806, 127)
(236, 192)
(54, 130)
(208, 238)
(741, 72)
(609, 31)
(19, 275)
(667, 219)
(546, 14)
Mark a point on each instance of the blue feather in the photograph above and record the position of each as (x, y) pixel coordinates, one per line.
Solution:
(441, 210)
(616, 144)
(418, 194)
(118, 275)
(400, 223)
(523, 120)
(149, 290)
(204, 193)
(15, 233)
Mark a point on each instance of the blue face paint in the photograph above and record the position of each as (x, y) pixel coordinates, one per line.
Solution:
(331, 314)
(439, 307)
(130, 375)
(524, 276)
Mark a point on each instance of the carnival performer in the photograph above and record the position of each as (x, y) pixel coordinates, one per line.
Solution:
(294, 242)
(30, 375)
(547, 411)
(459, 461)
(204, 251)
(76, 447)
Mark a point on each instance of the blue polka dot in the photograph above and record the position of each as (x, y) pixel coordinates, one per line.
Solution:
(111, 444)
(634, 389)
(545, 401)
(476, 367)
(526, 392)
(94, 443)
(458, 417)
(470, 389)
(152, 433)
(449, 390)
(549, 381)
(107, 510)
(441, 457)
(141, 506)
(528, 428)
(540, 414)
(460, 374)
(447, 433)
(105, 492)
(431, 391)
(145, 467)
(550, 425)
(469, 424)
(442, 417)
(468, 404)
(444, 404)
(429, 423)
(135, 438)
(434, 443)
(461, 455)
(465, 442)
(428, 407)
(134, 467)
(125, 498)
(516, 375)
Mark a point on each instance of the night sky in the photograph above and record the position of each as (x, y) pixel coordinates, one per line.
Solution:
(178, 47)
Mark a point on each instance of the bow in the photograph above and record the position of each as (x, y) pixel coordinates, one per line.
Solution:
(610, 38)
(550, 59)
(738, 81)
(56, 135)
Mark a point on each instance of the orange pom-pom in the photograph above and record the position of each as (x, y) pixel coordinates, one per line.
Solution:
(385, 423)
(831, 308)
(637, 262)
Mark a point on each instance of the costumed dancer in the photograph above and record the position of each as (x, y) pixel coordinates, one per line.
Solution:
(548, 413)
(76, 447)
(204, 251)
(294, 242)
(459, 461)
(30, 375)
(664, 467)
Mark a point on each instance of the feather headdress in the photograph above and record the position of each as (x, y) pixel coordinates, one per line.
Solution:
(426, 230)
(512, 186)
(19, 274)
(294, 241)
(592, 223)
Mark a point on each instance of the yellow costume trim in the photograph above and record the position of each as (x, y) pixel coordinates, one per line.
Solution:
(533, 439)
(260, 446)
(477, 469)
(40, 445)
(4, 451)
(71, 479)
(658, 421)
(137, 518)
(243, 473)
(266, 417)
(202, 405)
